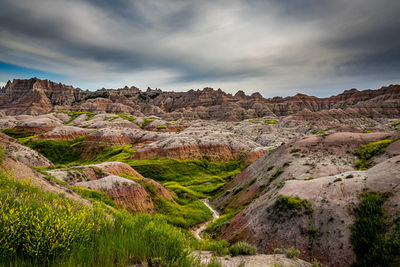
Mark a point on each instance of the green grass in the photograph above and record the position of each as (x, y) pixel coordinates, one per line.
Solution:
(323, 132)
(75, 114)
(292, 253)
(396, 123)
(147, 122)
(223, 220)
(375, 239)
(127, 117)
(183, 215)
(242, 248)
(368, 151)
(110, 153)
(59, 152)
(200, 176)
(41, 228)
(292, 204)
(16, 134)
(94, 195)
(161, 127)
(267, 121)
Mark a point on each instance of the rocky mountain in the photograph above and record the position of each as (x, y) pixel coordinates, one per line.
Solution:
(36, 97)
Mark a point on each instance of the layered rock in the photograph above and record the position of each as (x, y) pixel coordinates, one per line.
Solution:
(36, 96)
(130, 193)
(323, 234)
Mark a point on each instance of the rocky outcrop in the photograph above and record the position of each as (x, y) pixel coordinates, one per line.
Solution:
(320, 169)
(36, 96)
(64, 133)
(130, 193)
(324, 233)
(22, 153)
(210, 142)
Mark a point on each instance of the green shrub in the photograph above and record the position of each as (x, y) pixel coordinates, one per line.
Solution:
(242, 248)
(147, 122)
(373, 241)
(396, 123)
(218, 247)
(252, 181)
(277, 251)
(292, 204)
(337, 180)
(161, 127)
(368, 151)
(292, 253)
(295, 150)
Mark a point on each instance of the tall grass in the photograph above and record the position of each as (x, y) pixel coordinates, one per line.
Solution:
(375, 238)
(41, 228)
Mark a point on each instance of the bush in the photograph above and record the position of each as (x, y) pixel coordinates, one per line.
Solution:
(277, 251)
(372, 240)
(242, 248)
(292, 204)
(292, 253)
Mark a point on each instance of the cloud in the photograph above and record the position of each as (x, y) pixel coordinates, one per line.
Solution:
(275, 47)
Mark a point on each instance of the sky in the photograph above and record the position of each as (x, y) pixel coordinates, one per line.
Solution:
(275, 47)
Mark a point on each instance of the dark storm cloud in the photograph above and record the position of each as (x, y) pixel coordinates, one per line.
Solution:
(272, 46)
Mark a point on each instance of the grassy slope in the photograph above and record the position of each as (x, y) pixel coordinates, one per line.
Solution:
(42, 228)
(189, 179)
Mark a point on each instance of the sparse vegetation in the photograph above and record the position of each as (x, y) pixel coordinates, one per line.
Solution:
(292, 253)
(16, 134)
(242, 248)
(367, 131)
(368, 151)
(147, 122)
(161, 127)
(127, 117)
(323, 132)
(295, 150)
(292, 204)
(75, 114)
(396, 123)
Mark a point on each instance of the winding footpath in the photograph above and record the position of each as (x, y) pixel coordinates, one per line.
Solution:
(201, 227)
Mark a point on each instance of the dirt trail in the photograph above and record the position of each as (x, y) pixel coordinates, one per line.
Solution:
(200, 228)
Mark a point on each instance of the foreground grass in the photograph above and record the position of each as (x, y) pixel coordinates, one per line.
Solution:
(375, 238)
(41, 228)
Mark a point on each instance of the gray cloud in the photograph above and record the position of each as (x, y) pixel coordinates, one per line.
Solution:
(276, 47)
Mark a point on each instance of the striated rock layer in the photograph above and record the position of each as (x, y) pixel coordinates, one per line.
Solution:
(36, 96)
